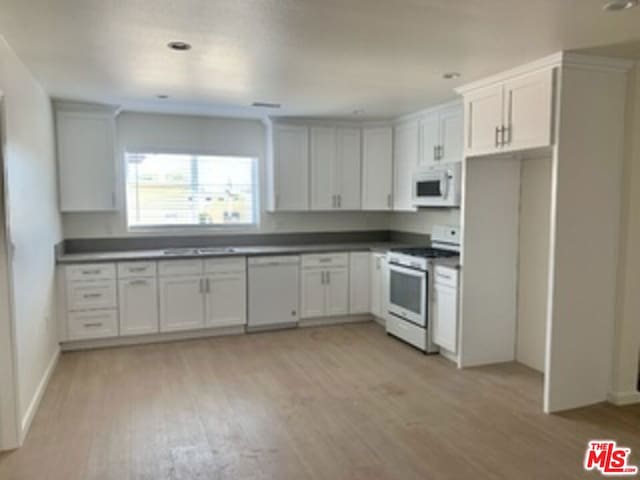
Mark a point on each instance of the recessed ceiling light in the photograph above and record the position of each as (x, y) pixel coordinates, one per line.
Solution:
(162, 96)
(265, 105)
(179, 46)
(619, 5)
(451, 75)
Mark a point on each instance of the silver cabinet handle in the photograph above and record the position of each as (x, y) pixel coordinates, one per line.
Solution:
(435, 152)
(324, 260)
(93, 325)
(497, 135)
(339, 201)
(91, 272)
(322, 278)
(137, 269)
(92, 295)
(138, 282)
(507, 134)
(441, 155)
(208, 285)
(201, 285)
(389, 200)
(328, 277)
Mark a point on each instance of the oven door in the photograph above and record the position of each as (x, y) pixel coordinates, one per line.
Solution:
(430, 188)
(407, 295)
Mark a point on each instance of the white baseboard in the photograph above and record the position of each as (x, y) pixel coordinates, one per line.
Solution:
(339, 320)
(623, 398)
(26, 421)
(152, 338)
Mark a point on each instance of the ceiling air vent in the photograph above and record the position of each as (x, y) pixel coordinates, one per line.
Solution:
(265, 105)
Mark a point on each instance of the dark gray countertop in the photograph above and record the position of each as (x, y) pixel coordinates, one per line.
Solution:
(138, 255)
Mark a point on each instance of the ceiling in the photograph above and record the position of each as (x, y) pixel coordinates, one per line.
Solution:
(323, 58)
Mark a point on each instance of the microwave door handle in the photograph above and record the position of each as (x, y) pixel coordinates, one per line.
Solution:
(444, 186)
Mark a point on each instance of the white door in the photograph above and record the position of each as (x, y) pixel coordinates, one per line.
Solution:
(337, 291)
(429, 138)
(483, 120)
(451, 129)
(323, 164)
(445, 317)
(376, 284)
(291, 167)
(138, 303)
(405, 160)
(86, 161)
(528, 111)
(226, 300)
(181, 303)
(359, 279)
(348, 168)
(312, 293)
(377, 168)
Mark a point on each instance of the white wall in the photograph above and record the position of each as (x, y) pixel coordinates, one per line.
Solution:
(424, 219)
(533, 271)
(34, 224)
(215, 135)
(628, 306)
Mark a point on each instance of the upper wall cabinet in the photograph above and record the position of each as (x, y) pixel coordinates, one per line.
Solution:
(405, 160)
(86, 159)
(441, 135)
(377, 168)
(511, 115)
(290, 168)
(335, 168)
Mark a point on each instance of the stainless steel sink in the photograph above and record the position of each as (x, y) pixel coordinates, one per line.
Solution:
(214, 250)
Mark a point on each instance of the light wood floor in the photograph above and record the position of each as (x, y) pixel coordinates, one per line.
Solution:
(342, 402)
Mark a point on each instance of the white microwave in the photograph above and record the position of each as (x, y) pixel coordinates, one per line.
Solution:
(437, 185)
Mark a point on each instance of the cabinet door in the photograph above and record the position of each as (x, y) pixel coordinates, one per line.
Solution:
(312, 293)
(445, 317)
(377, 168)
(483, 120)
(138, 300)
(337, 291)
(359, 279)
(528, 111)
(226, 300)
(86, 161)
(323, 165)
(181, 303)
(291, 167)
(429, 138)
(405, 160)
(347, 179)
(376, 284)
(451, 133)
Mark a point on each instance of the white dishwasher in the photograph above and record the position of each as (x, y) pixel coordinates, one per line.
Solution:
(274, 291)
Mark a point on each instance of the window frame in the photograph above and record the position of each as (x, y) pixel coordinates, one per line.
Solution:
(192, 228)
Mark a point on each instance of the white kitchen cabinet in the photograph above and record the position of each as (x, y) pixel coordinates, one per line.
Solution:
(429, 126)
(359, 279)
(335, 168)
(92, 324)
(86, 160)
(444, 308)
(337, 291)
(290, 168)
(405, 161)
(138, 306)
(377, 261)
(325, 285)
(377, 168)
(511, 115)
(226, 300)
(528, 111)
(313, 294)
(182, 303)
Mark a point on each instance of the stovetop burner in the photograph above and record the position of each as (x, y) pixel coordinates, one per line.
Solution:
(426, 252)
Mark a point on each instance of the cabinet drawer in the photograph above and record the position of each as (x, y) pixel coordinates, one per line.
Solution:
(168, 268)
(96, 324)
(136, 269)
(95, 271)
(91, 295)
(446, 276)
(325, 260)
(406, 331)
(225, 265)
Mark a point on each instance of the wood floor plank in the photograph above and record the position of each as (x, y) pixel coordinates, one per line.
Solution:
(341, 402)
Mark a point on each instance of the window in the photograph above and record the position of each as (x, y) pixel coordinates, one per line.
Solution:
(190, 190)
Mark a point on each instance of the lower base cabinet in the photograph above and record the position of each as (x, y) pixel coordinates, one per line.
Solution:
(377, 284)
(138, 306)
(444, 307)
(324, 286)
(92, 324)
(181, 303)
(226, 300)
